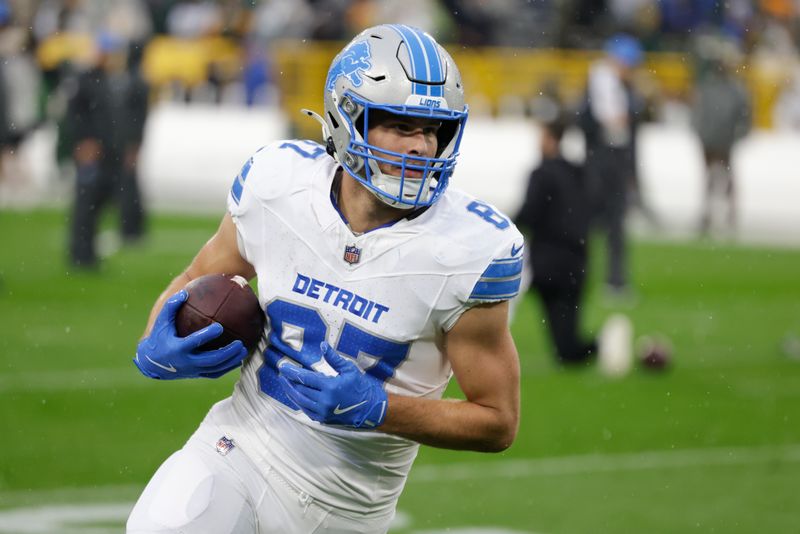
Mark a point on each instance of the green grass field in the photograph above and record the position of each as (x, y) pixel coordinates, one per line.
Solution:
(712, 445)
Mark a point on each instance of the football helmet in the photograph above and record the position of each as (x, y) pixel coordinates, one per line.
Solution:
(401, 70)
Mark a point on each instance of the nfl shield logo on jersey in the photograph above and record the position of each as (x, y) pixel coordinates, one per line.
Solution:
(352, 254)
(224, 445)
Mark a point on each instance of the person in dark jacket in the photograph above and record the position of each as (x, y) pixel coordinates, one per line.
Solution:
(555, 215)
(609, 117)
(105, 115)
(721, 116)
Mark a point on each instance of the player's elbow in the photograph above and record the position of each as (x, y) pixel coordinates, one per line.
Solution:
(503, 434)
(506, 440)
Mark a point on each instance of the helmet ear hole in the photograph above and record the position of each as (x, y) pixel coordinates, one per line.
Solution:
(333, 120)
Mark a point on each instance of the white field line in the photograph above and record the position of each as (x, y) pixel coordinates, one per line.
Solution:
(78, 380)
(605, 463)
(503, 469)
(78, 517)
(129, 377)
(70, 380)
(65, 519)
(82, 519)
(69, 494)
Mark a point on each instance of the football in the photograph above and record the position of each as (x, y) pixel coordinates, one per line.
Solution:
(226, 299)
(655, 353)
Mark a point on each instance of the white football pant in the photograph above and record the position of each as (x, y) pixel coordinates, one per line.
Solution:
(198, 490)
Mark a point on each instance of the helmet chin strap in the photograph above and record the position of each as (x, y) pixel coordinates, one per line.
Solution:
(326, 134)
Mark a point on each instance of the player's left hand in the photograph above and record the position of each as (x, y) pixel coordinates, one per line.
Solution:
(166, 356)
(351, 398)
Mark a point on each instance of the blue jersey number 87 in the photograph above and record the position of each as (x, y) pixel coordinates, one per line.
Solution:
(296, 332)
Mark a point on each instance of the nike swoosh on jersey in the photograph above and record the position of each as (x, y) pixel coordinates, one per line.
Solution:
(338, 410)
(171, 369)
(515, 249)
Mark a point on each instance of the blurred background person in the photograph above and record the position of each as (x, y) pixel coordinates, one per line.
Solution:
(269, 21)
(106, 114)
(191, 19)
(197, 21)
(555, 218)
(721, 115)
(786, 113)
(5, 100)
(51, 21)
(608, 117)
(19, 81)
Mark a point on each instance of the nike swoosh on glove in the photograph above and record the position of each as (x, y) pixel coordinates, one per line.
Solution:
(352, 398)
(163, 355)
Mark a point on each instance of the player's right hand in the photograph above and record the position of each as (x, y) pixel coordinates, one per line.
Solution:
(351, 398)
(163, 355)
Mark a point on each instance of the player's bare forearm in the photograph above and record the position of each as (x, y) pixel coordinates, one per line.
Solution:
(450, 423)
(485, 363)
(174, 286)
(219, 255)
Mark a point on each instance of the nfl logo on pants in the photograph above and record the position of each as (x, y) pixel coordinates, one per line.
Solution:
(352, 254)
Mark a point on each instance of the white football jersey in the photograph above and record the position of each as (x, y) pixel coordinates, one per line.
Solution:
(383, 299)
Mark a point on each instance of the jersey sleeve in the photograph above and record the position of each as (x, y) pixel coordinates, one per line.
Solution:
(241, 203)
(264, 178)
(501, 278)
(494, 270)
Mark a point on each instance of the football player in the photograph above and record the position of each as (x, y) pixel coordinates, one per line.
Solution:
(379, 284)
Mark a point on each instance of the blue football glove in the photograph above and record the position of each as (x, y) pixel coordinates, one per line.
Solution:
(351, 398)
(164, 355)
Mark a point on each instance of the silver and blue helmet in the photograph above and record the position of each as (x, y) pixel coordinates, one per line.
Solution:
(401, 70)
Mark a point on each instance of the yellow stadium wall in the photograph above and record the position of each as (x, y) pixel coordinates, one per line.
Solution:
(492, 76)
